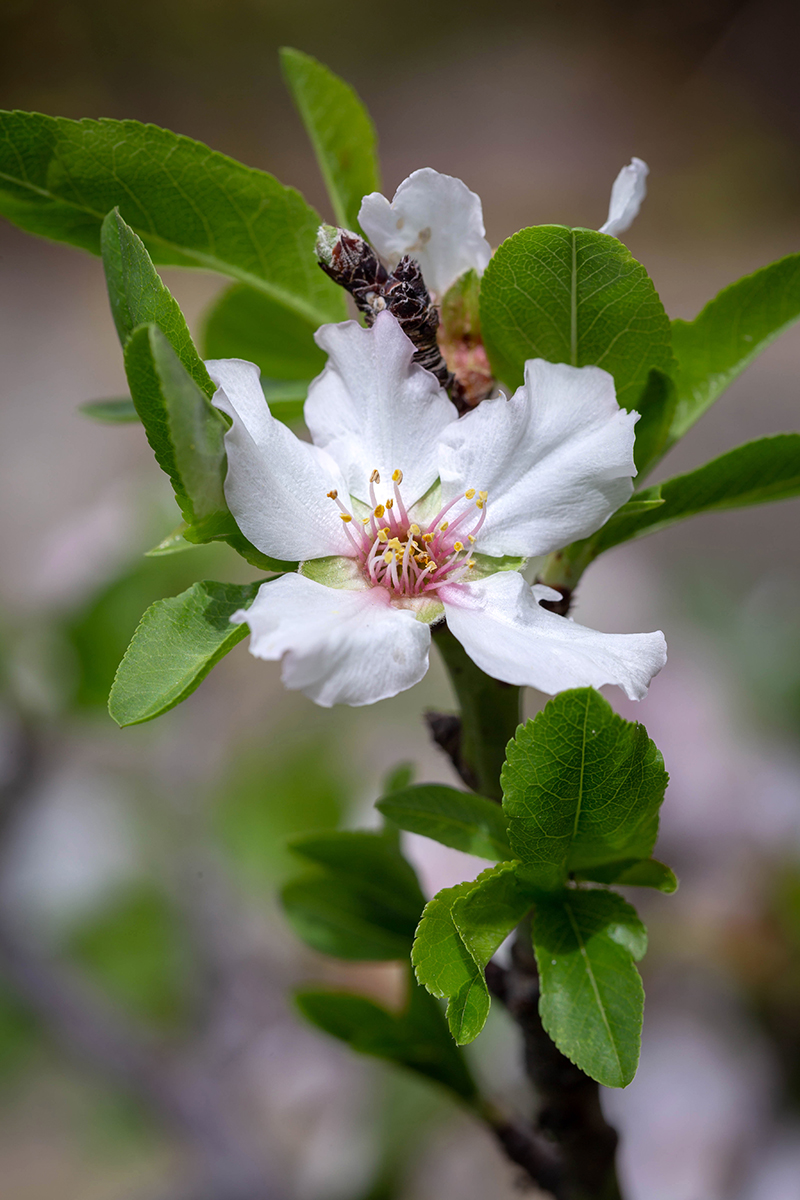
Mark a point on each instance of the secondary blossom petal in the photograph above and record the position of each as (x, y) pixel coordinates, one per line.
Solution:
(435, 219)
(627, 193)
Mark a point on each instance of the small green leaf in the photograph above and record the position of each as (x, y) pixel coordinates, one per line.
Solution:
(729, 333)
(340, 130)
(246, 323)
(191, 206)
(460, 930)
(173, 543)
(757, 473)
(116, 410)
(138, 297)
(416, 1038)
(581, 787)
(459, 819)
(656, 407)
(643, 872)
(591, 999)
(363, 903)
(577, 297)
(177, 643)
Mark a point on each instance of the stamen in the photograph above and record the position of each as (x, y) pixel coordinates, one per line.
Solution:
(383, 535)
(375, 476)
(469, 494)
(379, 511)
(444, 526)
(397, 476)
(345, 516)
(459, 546)
(333, 495)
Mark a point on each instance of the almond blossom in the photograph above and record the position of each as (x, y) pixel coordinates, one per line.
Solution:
(438, 221)
(403, 514)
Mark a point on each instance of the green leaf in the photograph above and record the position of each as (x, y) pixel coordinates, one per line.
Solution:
(581, 787)
(459, 819)
(116, 410)
(138, 297)
(577, 297)
(729, 333)
(246, 323)
(460, 930)
(177, 643)
(173, 543)
(363, 903)
(591, 999)
(643, 872)
(191, 206)
(416, 1038)
(756, 473)
(340, 130)
(656, 407)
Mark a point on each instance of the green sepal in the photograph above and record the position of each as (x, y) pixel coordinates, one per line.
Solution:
(115, 410)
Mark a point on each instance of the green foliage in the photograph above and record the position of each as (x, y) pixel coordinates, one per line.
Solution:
(460, 930)
(632, 872)
(20, 1036)
(573, 296)
(592, 999)
(656, 406)
(362, 903)
(416, 1038)
(135, 948)
(177, 643)
(729, 333)
(115, 410)
(756, 473)
(138, 297)
(246, 323)
(459, 819)
(340, 130)
(191, 206)
(272, 793)
(582, 788)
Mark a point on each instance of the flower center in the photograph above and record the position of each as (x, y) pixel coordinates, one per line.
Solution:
(400, 555)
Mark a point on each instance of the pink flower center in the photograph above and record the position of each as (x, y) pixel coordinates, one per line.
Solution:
(408, 559)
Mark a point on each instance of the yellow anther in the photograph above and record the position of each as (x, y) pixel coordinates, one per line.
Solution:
(383, 535)
(345, 517)
(365, 520)
(413, 529)
(471, 563)
(380, 511)
(479, 503)
(444, 525)
(333, 495)
(397, 476)
(458, 546)
(388, 556)
(470, 493)
(471, 538)
(483, 496)
(375, 476)
(428, 537)
(431, 567)
(390, 503)
(396, 544)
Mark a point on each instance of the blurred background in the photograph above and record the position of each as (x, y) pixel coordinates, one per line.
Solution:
(143, 865)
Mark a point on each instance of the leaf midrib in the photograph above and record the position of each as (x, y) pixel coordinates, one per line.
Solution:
(593, 982)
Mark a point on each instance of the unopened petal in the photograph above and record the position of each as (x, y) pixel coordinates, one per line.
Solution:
(627, 193)
(276, 485)
(372, 408)
(556, 459)
(504, 629)
(435, 219)
(337, 646)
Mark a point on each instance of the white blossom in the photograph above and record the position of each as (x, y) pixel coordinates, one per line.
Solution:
(400, 512)
(438, 221)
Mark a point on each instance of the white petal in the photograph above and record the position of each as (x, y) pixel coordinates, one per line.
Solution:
(276, 486)
(503, 628)
(627, 194)
(337, 646)
(373, 408)
(434, 218)
(556, 459)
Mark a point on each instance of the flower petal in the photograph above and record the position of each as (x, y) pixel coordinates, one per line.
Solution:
(628, 192)
(434, 218)
(337, 646)
(276, 486)
(504, 629)
(372, 407)
(556, 459)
